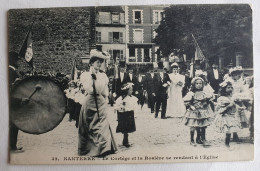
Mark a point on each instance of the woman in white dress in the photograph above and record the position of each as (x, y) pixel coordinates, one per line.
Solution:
(95, 136)
(175, 104)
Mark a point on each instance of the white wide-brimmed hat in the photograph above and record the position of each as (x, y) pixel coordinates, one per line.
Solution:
(99, 54)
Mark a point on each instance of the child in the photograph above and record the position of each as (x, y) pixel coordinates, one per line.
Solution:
(227, 120)
(198, 112)
(125, 106)
(240, 94)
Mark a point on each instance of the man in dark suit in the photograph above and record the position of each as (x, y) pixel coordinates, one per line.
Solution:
(214, 77)
(139, 88)
(161, 82)
(121, 79)
(13, 130)
(131, 76)
(149, 87)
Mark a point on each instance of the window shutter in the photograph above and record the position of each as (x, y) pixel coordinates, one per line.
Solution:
(142, 18)
(150, 55)
(120, 37)
(110, 37)
(121, 55)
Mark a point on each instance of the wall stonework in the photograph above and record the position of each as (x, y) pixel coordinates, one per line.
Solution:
(59, 36)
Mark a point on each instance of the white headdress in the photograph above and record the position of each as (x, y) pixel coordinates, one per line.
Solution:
(237, 68)
(224, 83)
(196, 78)
(200, 72)
(174, 64)
(99, 54)
(127, 86)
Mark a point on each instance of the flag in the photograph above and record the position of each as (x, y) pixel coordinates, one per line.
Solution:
(26, 51)
(199, 55)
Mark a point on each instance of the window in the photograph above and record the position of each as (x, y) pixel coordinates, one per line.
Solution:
(115, 37)
(98, 36)
(138, 36)
(104, 18)
(132, 52)
(137, 16)
(147, 57)
(115, 18)
(116, 55)
(132, 55)
(157, 16)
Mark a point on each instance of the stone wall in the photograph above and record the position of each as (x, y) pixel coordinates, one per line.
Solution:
(59, 36)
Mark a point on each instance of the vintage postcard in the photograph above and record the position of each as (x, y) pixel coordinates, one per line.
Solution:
(131, 84)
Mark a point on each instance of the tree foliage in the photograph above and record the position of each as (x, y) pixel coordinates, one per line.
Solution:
(220, 30)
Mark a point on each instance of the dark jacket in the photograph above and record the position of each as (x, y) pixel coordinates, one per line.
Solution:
(159, 89)
(118, 83)
(149, 83)
(213, 81)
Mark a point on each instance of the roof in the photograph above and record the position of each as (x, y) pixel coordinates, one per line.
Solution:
(110, 9)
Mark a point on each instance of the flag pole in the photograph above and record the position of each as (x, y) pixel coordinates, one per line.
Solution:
(30, 28)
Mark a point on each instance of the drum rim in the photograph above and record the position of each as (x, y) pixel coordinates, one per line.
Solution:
(37, 77)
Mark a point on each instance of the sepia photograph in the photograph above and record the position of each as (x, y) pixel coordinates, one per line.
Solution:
(131, 84)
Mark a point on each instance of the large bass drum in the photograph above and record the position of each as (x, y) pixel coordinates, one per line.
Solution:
(37, 105)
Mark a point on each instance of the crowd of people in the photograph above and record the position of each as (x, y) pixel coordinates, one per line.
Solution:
(210, 98)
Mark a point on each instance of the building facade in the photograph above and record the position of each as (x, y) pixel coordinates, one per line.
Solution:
(110, 31)
(141, 22)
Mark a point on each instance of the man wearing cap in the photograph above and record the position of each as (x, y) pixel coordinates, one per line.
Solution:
(122, 79)
(214, 77)
(150, 88)
(161, 82)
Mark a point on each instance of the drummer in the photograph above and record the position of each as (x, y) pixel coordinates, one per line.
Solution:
(13, 58)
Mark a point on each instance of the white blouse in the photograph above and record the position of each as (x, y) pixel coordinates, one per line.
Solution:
(129, 101)
(101, 83)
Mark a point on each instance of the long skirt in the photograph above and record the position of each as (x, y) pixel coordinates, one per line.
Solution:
(95, 135)
(126, 122)
(175, 106)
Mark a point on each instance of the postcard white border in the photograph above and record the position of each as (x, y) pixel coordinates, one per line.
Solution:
(253, 165)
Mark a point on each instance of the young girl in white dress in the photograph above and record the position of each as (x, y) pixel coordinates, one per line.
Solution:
(199, 112)
(227, 119)
(175, 106)
(126, 105)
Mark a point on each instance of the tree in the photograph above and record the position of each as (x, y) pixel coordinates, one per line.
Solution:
(220, 30)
